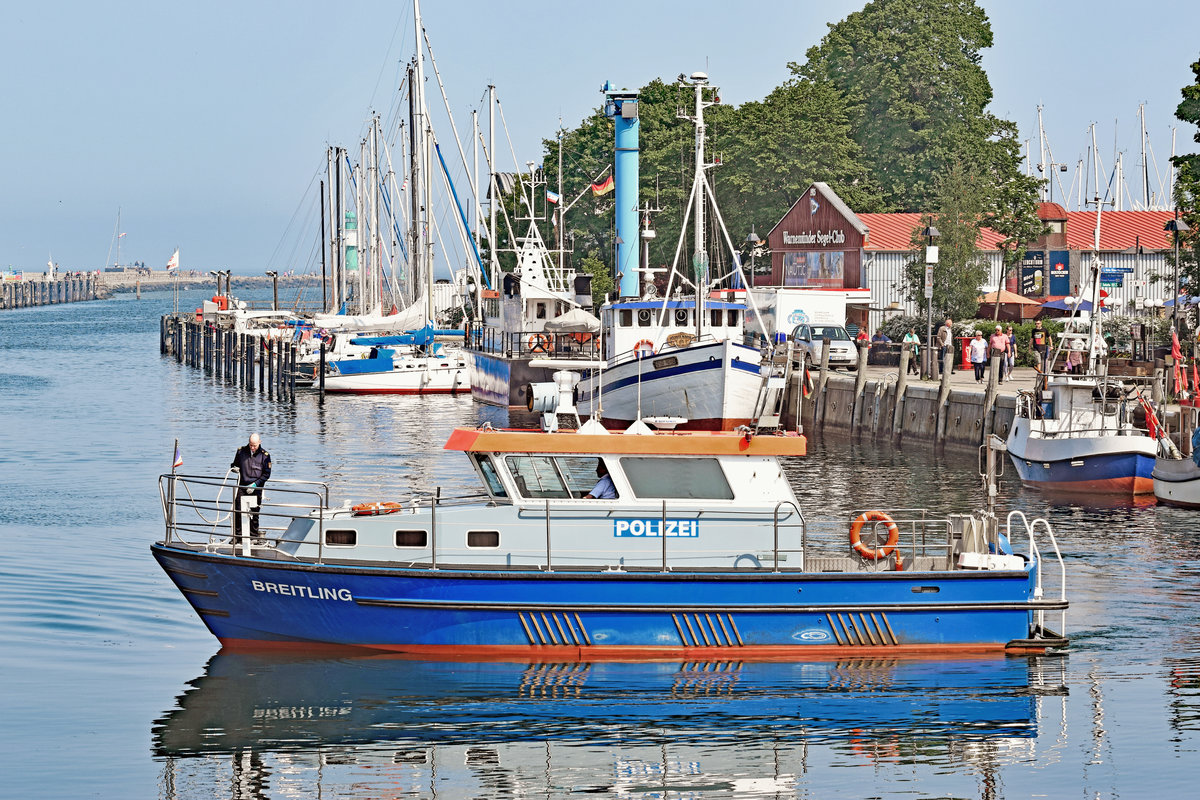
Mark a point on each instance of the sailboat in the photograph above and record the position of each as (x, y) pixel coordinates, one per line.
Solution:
(677, 361)
(1076, 432)
(411, 361)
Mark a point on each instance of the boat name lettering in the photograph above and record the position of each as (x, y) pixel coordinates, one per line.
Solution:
(663, 363)
(651, 527)
(298, 590)
(816, 237)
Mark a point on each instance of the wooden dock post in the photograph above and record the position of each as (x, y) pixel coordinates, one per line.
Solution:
(860, 383)
(901, 389)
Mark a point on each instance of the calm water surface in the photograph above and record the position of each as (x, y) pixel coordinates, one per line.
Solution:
(111, 687)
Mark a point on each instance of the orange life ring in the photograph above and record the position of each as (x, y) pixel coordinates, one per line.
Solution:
(582, 338)
(540, 343)
(373, 509)
(856, 530)
(643, 349)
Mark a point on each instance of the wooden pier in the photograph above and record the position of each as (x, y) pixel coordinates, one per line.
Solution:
(43, 291)
(262, 364)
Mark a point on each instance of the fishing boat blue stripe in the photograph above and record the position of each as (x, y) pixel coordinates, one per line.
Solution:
(682, 369)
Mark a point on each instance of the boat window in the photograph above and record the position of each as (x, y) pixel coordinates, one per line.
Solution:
(626, 318)
(579, 473)
(483, 538)
(412, 538)
(341, 538)
(681, 316)
(645, 317)
(494, 486)
(717, 317)
(733, 317)
(536, 476)
(676, 478)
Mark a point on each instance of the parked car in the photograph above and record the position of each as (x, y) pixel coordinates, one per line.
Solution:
(807, 339)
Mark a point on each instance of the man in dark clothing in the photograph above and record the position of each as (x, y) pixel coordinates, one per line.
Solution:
(254, 470)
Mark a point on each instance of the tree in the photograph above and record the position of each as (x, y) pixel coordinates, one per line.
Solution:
(1011, 210)
(961, 268)
(772, 150)
(1187, 190)
(917, 96)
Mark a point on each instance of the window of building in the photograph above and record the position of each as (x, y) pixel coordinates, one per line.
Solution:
(676, 478)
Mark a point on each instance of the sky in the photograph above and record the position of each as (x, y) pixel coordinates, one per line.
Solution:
(205, 125)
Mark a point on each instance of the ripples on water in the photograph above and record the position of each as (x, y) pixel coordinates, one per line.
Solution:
(110, 687)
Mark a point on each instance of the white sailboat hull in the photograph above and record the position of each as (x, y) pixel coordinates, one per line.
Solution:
(409, 375)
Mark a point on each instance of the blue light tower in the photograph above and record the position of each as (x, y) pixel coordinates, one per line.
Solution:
(621, 106)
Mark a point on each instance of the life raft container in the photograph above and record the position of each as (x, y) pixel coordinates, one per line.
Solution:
(374, 509)
(888, 548)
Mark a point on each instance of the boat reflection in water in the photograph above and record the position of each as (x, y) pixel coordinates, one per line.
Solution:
(384, 726)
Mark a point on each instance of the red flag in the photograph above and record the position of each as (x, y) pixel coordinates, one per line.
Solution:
(1177, 358)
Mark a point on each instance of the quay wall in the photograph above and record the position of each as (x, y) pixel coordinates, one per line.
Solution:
(44, 292)
(883, 406)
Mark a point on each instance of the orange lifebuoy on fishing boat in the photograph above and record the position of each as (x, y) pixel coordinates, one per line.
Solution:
(643, 349)
(540, 343)
(856, 535)
(374, 509)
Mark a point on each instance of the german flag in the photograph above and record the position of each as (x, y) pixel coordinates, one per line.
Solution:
(601, 189)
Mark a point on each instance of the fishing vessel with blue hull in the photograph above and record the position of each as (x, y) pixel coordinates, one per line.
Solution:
(689, 545)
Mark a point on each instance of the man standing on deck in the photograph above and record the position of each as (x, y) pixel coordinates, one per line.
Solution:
(254, 470)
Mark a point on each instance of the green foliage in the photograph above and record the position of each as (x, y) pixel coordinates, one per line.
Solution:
(603, 284)
(1187, 192)
(961, 268)
(916, 93)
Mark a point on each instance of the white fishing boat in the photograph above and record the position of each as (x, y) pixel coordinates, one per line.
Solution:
(1076, 431)
(680, 358)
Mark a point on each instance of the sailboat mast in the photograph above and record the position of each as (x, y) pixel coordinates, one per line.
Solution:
(493, 253)
(421, 148)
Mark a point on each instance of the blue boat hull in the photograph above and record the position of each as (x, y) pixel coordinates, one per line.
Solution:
(1104, 473)
(261, 603)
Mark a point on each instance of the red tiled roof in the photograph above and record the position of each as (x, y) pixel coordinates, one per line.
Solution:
(894, 232)
(1119, 230)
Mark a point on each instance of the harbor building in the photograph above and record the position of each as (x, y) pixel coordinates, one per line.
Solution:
(822, 243)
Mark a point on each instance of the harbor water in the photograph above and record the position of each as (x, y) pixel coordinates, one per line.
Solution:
(110, 686)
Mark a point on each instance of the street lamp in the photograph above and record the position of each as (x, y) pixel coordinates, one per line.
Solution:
(1177, 227)
(929, 233)
(274, 276)
(1049, 180)
(217, 275)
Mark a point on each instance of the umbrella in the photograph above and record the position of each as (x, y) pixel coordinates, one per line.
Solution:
(1013, 307)
(1006, 298)
(574, 321)
(1187, 300)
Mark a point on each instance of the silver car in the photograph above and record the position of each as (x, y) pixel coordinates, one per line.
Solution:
(807, 339)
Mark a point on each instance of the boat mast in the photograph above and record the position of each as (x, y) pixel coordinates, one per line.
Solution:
(422, 184)
(1094, 328)
(700, 254)
(493, 252)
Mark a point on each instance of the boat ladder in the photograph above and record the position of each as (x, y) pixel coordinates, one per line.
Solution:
(772, 390)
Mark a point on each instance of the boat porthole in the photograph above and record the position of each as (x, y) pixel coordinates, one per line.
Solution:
(712, 358)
